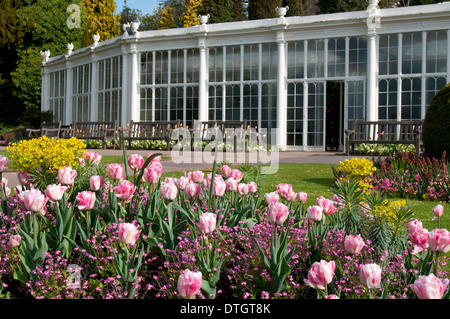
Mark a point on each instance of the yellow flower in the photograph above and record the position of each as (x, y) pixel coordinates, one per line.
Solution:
(356, 167)
(45, 153)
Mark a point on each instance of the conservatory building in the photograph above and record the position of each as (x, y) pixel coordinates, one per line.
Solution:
(308, 77)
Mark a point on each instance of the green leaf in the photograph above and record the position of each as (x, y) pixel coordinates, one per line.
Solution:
(208, 288)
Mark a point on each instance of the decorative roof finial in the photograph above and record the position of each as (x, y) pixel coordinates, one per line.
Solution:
(96, 38)
(281, 11)
(69, 49)
(204, 18)
(45, 55)
(125, 26)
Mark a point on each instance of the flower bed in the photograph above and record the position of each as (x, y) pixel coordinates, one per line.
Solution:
(96, 232)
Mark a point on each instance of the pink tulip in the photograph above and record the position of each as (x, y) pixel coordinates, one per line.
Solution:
(284, 190)
(439, 240)
(196, 176)
(320, 274)
(326, 204)
(302, 197)
(231, 185)
(414, 226)
(135, 161)
(271, 198)
(252, 187)
(225, 170)
(189, 284)
(337, 202)
(85, 200)
(182, 182)
(278, 213)
(236, 174)
(4, 162)
(15, 241)
(370, 275)
(208, 179)
(353, 244)
(125, 191)
(170, 180)
(96, 182)
(24, 178)
(438, 210)
(242, 189)
(128, 233)
(419, 239)
(92, 157)
(192, 189)
(152, 173)
(219, 188)
(34, 200)
(291, 196)
(429, 287)
(169, 191)
(157, 159)
(314, 213)
(66, 175)
(207, 222)
(115, 172)
(55, 192)
(331, 297)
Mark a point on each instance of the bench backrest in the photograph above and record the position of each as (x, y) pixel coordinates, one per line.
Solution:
(94, 129)
(51, 129)
(151, 129)
(207, 127)
(386, 130)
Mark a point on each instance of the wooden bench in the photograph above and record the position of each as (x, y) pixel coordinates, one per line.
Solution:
(384, 132)
(102, 131)
(153, 131)
(49, 129)
(205, 131)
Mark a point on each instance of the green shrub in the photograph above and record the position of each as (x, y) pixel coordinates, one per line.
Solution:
(436, 126)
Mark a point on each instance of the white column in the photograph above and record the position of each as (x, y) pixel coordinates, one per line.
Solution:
(69, 92)
(281, 92)
(372, 85)
(94, 89)
(45, 89)
(134, 83)
(202, 87)
(373, 23)
(125, 88)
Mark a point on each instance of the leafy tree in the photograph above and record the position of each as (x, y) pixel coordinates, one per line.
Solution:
(295, 7)
(223, 10)
(239, 10)
(334, 6)
(407, 3)
(167, 21)
(263, 9)
(12, 29)
(42, 34)
(151, 21)
(129, 15)
(178, 7)
(12, 33)
(190, 17)
(101, 20)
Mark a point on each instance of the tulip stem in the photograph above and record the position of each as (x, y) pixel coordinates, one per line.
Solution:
(88, 223)
(436, 264)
